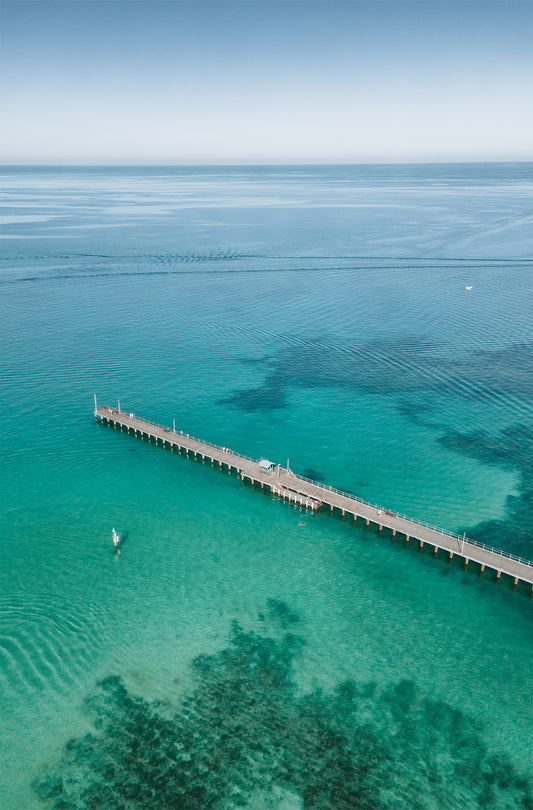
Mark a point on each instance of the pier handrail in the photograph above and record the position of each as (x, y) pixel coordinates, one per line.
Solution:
(500, 551)
(391, 513)
(180, 433)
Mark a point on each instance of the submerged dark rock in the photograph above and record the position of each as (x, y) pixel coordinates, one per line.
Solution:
(404, 367)
(511, 449)
(246, 738)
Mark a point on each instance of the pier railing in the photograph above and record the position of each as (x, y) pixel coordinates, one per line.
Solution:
(166, 429)
(458, 537)
(500, 551)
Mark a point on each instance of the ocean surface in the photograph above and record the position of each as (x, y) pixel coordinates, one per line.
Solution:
(240, 652)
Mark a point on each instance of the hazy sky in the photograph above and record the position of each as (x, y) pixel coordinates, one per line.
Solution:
(257, 82)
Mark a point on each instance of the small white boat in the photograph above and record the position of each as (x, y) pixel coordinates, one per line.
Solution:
(116, 541)
(468, 287)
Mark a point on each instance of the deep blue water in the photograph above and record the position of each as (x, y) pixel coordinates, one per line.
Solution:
(312, 313)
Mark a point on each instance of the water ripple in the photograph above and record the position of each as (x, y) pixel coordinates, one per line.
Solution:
(45, 646)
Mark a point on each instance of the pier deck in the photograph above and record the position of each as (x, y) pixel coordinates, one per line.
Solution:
(310, 494)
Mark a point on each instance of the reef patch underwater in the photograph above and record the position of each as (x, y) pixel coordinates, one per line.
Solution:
(247, 738)
(511, 448)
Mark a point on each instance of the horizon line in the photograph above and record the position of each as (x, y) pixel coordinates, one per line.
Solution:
(258, 164)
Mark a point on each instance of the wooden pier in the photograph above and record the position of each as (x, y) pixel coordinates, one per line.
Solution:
(312, 495)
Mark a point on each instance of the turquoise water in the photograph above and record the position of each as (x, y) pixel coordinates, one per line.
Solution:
(232, 656)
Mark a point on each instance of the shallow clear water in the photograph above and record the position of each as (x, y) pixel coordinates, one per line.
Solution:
(311, 313)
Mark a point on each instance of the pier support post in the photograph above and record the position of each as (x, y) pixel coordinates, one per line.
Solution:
(343, 512)
(466, 562)
(355, 518)
(367, 523)
(393, 534)
(331, 507)
(515, 583)
(435, 551)
(498, 575)
(421, 546)
(482, 570)
(407, 539)
(450, 558)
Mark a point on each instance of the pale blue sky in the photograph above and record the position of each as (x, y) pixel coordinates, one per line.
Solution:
(261, 82)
